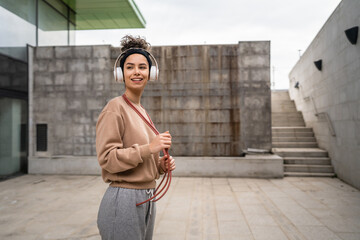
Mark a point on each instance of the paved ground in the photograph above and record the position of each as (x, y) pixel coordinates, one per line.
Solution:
(65, 207)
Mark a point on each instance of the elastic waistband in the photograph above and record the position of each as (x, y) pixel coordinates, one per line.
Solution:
(148, 185)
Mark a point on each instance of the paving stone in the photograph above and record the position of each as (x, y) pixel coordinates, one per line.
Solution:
(247, 198)
(235, 228)
(230, 215)
(254, 209)
(268, 233)
(210, 226)
(208, 236)
(236, 237)
(303, 219)
(349, 236)
(342, 224)
(165, 236)
(260, 220)
(318, 233)
(171, 226)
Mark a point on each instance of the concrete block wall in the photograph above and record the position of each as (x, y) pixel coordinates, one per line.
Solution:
(215, 99)
(255, 94)
(334, 91)
(196, 99)
(69, 90)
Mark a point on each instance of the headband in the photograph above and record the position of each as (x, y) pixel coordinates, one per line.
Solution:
(133, 51)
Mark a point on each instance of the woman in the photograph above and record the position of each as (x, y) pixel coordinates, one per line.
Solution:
(128, 151)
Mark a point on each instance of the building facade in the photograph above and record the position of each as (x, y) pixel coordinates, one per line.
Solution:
(327, 77)
(42, 23)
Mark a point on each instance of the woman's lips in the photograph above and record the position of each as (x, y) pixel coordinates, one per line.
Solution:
(136, 79)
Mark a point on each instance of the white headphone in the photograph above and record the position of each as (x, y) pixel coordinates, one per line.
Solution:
(154, 70)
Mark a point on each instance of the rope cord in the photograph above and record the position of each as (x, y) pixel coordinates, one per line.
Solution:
(168, 173)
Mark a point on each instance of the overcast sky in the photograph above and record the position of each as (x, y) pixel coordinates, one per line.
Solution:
(290, 25)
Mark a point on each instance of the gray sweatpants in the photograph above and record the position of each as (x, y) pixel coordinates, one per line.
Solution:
(120, 218)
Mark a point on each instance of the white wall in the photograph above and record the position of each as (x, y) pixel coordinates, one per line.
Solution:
(335, 90)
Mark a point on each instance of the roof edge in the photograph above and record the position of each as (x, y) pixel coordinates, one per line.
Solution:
(137, 12)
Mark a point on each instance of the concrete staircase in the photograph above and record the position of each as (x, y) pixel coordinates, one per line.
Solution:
(295, 142)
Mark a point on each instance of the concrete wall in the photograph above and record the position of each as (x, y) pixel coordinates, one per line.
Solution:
(69, 90)
(250, 166)
(334, 92)
(215, 99)
(253, 87)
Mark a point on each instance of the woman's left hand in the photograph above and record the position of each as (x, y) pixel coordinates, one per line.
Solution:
(164, 163)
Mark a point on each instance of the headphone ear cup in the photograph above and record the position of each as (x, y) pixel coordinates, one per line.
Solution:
(118, 74)
(154, 73)
(115, 75)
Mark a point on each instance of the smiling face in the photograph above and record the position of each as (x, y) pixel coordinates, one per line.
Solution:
(136, 72)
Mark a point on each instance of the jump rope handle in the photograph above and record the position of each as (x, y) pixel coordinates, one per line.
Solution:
(168, 176)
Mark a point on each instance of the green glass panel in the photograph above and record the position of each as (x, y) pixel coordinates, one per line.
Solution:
(53, 27)
(106, 14)
(58, 5)
(70, 3)
(72, 17)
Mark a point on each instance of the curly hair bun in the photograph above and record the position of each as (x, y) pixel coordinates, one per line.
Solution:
(129, 41)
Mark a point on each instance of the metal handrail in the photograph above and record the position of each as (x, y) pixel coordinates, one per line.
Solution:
(328, 120)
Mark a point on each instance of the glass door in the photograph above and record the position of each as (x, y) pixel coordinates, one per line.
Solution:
(13, 136)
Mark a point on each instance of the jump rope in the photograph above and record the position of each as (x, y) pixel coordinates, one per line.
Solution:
(168, 173)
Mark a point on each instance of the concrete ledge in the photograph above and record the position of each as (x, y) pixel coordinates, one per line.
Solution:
(254, 166)
(84, 165)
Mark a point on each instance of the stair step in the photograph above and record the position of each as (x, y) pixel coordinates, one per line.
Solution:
(308, 168)
(283, 109)
(278, 102)
(295, 145)
(292, 129)
(289, 124)
(293, 134)
(299, 174)
(307, 160)
(287, 120)
(300, 152)
(280, 95)
(293, 139)
(288, 114)
(283, 106)
(294, 115)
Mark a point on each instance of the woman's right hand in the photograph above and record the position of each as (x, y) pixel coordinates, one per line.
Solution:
(161, 141)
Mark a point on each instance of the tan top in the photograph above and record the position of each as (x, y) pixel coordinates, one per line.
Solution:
(122, 146)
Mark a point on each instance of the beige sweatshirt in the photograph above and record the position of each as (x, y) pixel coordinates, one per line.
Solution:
(122, 146)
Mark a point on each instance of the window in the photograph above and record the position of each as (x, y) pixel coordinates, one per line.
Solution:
(41, 137)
